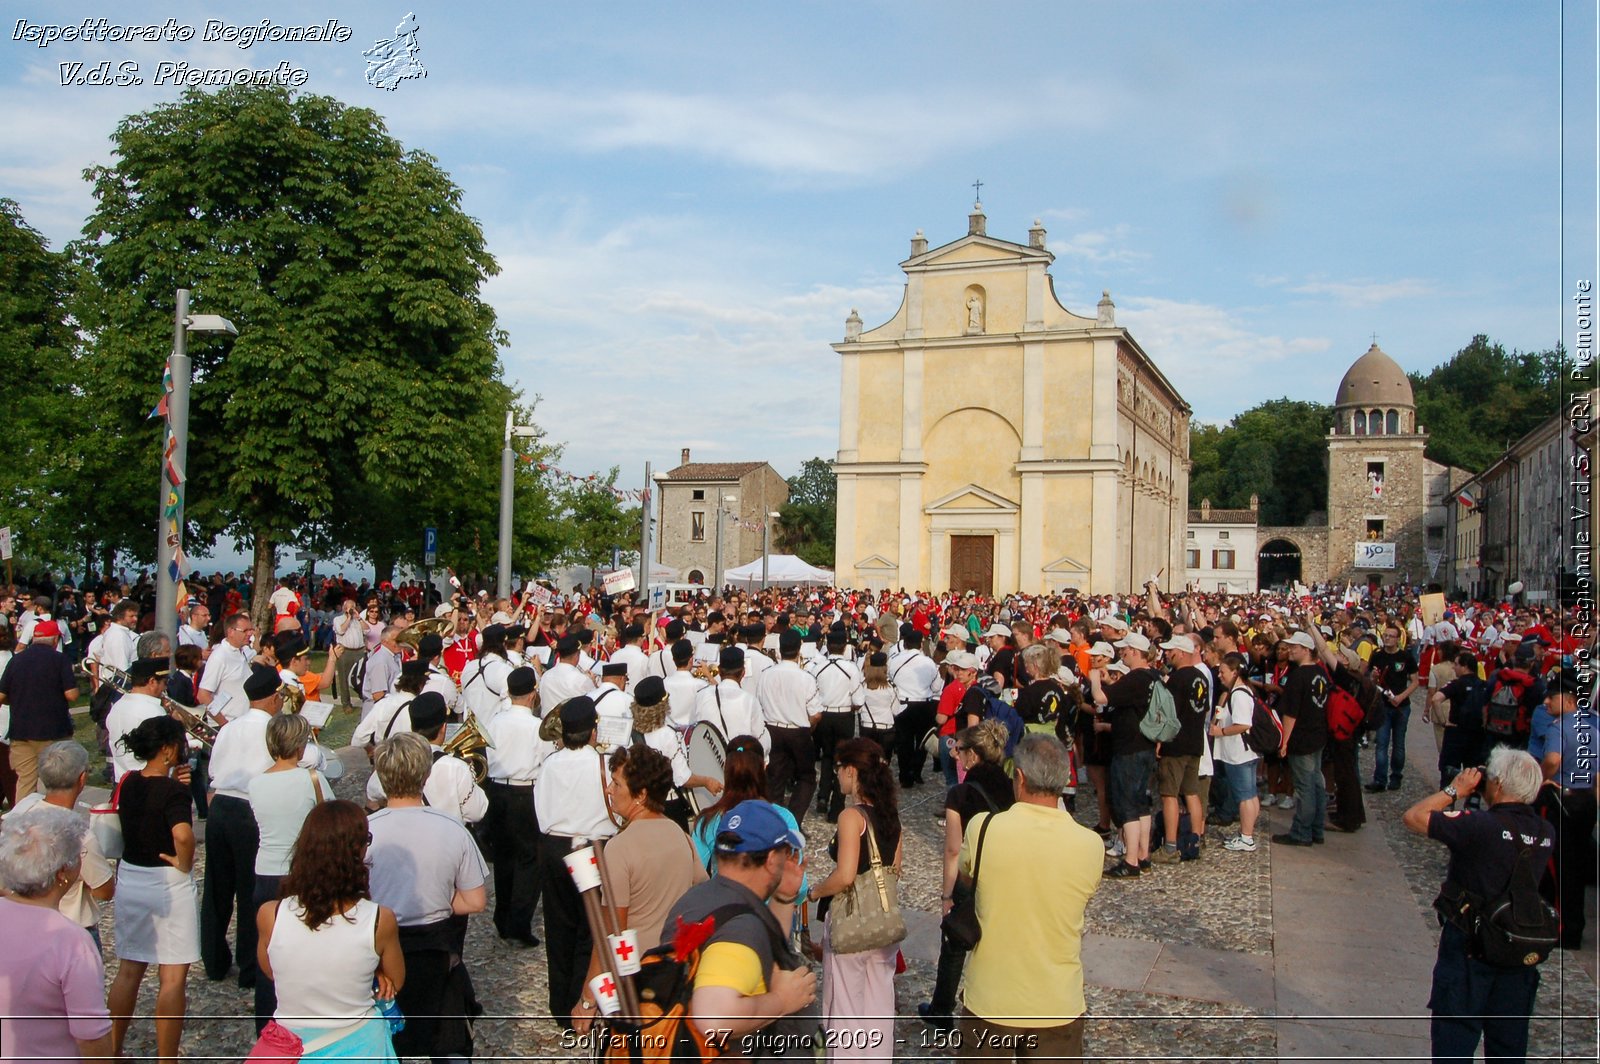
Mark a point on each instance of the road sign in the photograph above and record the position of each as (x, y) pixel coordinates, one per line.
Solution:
(430, 546)
(5, 544)
(307, 556)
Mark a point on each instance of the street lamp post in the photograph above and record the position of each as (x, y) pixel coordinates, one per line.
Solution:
(508, 458)
(716, 577)
(174, 456)
(766, 546)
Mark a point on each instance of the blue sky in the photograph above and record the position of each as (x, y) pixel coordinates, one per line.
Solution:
(687, 200)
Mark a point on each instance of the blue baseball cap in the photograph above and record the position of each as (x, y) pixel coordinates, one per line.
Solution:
(754, 826)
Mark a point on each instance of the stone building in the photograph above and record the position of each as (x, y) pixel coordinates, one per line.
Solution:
(695, 496)
(1220, 549)
(992, 440)
(1388, 503)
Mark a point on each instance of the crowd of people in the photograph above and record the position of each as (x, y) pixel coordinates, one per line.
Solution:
(509, 734)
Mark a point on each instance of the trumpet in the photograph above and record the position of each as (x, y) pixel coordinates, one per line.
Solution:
(706, 671)
(469, 743)
(194, 721)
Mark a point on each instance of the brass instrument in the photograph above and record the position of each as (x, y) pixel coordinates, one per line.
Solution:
(706, 671)
(194, 721)
(469, 743)
(443, 627)
(294, 697)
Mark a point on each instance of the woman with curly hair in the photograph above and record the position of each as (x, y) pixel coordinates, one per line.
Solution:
(327, 946)
(858, 988)
(649, 863)
(650, 726)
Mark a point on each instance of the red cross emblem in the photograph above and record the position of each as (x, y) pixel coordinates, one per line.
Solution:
(608, 987)
(624, 949)
(594, 859)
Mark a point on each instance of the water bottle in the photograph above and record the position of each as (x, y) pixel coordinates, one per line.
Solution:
(391, 1012)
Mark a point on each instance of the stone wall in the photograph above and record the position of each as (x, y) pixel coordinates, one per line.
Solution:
(1400, 505)
(1312, 541)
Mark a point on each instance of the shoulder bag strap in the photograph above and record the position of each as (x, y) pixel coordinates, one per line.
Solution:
(393, 717)
(876, 866)
(316, 785)
(993, 809)
(977, 857)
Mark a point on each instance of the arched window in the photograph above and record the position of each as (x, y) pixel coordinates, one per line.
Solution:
(1358, 423)
(1374, 422)
(1392, 423)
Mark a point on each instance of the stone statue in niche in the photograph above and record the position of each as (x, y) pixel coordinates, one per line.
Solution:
(974, 313)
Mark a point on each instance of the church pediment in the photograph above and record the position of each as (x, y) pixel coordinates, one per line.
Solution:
(972, 499)
(877, 562)
(974, 248)
(1066, 565)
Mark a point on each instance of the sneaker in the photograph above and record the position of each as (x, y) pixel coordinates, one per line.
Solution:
(1375, 788)
(1285, 801)
(1144, 865)
(1241, 844)
(1166, 855)
(1123, 870)
(1116, 848)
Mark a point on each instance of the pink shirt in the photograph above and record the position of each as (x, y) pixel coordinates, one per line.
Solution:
(49, 969)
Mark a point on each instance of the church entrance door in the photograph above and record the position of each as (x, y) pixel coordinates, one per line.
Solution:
(972, 564)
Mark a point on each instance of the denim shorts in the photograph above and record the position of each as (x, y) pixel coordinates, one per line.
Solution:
(1241, 780)
(1130, 785)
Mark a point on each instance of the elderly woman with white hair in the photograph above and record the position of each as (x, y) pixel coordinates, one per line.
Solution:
(51, 977)
(1471, 998)
(63, 773)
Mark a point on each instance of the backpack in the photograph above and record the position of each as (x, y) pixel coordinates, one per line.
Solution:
(665, 983)
(358, 674)
(1160, 722)
(1345, 715)
(1516, 928)
(1266, 727)
(1504, 710)
(996, 708)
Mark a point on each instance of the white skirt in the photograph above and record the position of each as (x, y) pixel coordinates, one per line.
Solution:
(157, 915)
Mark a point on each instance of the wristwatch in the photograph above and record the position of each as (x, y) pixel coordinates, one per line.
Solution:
(587, 1006)
(1452, 792)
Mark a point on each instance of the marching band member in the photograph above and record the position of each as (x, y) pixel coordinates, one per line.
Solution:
(513, 828)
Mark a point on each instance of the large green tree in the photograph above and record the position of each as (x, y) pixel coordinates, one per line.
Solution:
(39, 449)
(364, 379)
(806, 522)
(598, 522)
(1484, 398)
(1276, 451)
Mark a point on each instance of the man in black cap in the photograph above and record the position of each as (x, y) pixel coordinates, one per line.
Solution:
(570, 802)
(726, 704)
(147, 677)
(565, 679)
(841, 690)
(915, 678)
(429, 648)
(683, 686)
(451, 788)
(611, 702)
(512, 827)
(790, 707)
(751, 638)
(239, 756)
(631, 655)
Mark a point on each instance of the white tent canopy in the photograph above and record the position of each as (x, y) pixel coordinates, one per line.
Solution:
(783, 570)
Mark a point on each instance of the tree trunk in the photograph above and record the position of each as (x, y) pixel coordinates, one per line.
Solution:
(382, 567)
(263, 578)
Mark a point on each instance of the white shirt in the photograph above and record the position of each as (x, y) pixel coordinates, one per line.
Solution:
(115, 647)
(613, 704)
(788, 696)
(733, 712)
(661, 664)
(126, 714)
(880, 707)
(683, 687)
(350, 632)
(382, 670)
(1237, 708)
(483, 686)
(755, 663)
(840, 684)
(189, 636)
(915, 677)
(441, 684)
(563, 681)
(376, 726)
(664, 740)
(240, 753)
(569, 797)
(226, 670)
(450, 789)
(634, 658)
(518, 751)
(281, 599)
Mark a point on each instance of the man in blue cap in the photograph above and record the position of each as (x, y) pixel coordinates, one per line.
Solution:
(747, 973)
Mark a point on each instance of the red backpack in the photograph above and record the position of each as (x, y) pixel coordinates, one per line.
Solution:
(1345, 715)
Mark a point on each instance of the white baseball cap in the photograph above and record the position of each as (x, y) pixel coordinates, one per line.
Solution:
(1134, 640)
(960, 659)
(1301, 639)
(997, 630)
(1102, 649)
(1114, 622)
(1182, 642)
(1059, 635)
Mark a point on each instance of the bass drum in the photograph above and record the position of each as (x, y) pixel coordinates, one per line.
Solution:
(332, 764)
(707, 752)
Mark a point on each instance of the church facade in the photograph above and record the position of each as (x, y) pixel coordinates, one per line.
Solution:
(991, 440)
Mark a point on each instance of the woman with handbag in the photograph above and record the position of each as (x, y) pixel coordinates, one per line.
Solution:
(980, 751)
(281, 798)
(157, 910)
(331, 950)
(863, 925)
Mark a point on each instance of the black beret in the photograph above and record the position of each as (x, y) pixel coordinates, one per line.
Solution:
(427, 713)
(632, 632)
(262, 681)
(879, 660)
(522, 681)
(291, 647)
(682, 650)
(675, 630)
(568, 645)
(144, 670)
(789, 642)
(650, 691)
(731, 659)
(430, 646)
(614, 668)
(414, 668)
(578, 714)
(908, 631)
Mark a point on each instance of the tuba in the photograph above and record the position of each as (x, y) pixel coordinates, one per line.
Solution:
(294, 697)
(469, 743)
(443, 627)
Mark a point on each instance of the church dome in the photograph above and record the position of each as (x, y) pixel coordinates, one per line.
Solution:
(1375, 380)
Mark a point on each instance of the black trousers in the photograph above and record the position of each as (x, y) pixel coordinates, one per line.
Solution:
(266, 990)
(567, 941)
(792, 770)
(909, 728)
(231, 842)
(884, 737)
(1573, 815)
(438, 998)
(834, 728)
(513, 829)
(1345, 766)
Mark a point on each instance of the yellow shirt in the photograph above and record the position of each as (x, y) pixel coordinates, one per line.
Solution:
(1040, 867)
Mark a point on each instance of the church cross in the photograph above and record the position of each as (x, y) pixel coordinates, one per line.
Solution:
(977, 190)
(1374, 339)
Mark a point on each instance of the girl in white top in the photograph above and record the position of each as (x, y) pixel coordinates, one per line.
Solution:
(883, 702)
(332, 950)
(1235, 713)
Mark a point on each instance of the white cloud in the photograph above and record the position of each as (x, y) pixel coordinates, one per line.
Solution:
(1097, 247)
(1365, 293)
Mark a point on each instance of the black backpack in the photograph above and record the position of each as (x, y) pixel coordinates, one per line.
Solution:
(1514, 929)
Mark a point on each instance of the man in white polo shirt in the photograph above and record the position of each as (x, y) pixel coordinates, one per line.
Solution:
(226, 671)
